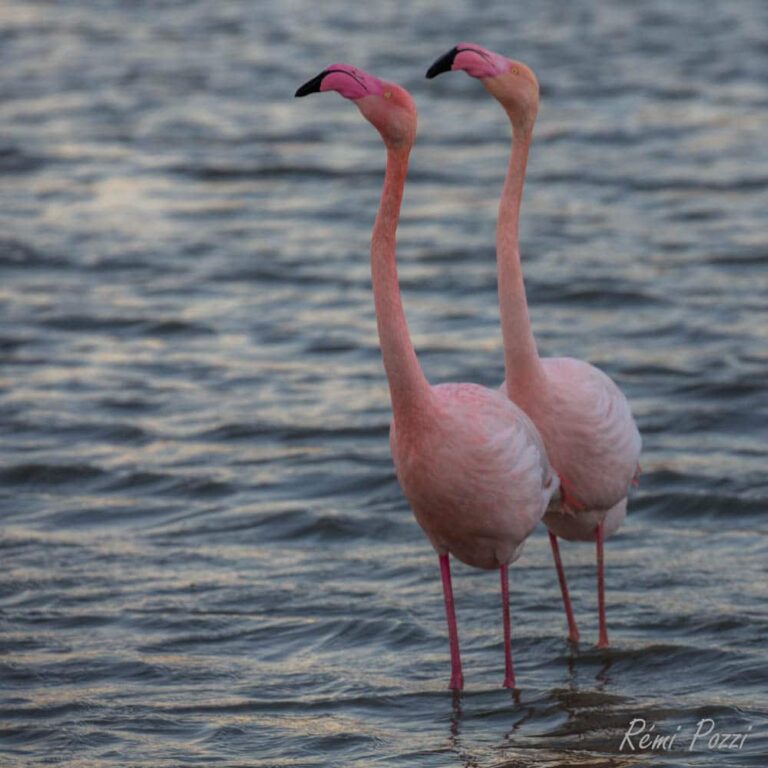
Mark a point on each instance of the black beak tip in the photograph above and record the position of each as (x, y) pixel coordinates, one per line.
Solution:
(443, 64)
(311, 86)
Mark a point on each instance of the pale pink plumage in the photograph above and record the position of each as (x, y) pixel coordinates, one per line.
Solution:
(475, 473)
(588, 428)
(584, 419)
(470, 462)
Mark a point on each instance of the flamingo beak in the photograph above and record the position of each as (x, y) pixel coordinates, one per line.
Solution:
(311, 86)
(443, 64)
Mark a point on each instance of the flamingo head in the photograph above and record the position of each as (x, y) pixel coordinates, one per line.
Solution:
(511, 82)
(388, 107)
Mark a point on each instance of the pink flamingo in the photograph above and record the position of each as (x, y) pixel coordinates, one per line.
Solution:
(469, 461)
(583, 417)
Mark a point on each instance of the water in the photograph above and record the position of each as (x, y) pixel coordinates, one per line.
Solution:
(206, 557)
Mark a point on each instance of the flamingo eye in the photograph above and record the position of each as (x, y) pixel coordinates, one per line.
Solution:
(515, 71)
(387, 94)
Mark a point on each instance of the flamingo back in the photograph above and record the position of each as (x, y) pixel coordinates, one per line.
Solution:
(588, 429)
(475, 474)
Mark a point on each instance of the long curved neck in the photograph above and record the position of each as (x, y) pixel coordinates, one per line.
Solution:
(521, 359)
(408, 387)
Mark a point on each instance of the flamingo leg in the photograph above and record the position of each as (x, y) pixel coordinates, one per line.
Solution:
(603, 631)
(509, 672)
(573, 630)
(457, 679)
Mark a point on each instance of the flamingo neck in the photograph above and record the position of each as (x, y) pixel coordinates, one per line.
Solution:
(408, 387)
(521, 359)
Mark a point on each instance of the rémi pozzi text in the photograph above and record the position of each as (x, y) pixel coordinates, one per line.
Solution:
(642, 736)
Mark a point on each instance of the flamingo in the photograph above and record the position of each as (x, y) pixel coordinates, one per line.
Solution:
(585, 420)
(469, 461)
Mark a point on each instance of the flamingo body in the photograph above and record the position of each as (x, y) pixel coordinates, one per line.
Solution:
(588, 429)
(475, 473)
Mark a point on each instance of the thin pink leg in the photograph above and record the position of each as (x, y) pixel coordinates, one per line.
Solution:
(509, 672)
(603, 638)
(457, 679)
(573, 630)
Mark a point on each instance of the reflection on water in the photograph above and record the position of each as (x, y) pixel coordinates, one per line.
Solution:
(206, 556)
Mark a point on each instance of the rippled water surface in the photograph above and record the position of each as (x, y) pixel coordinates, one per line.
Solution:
(206, 559)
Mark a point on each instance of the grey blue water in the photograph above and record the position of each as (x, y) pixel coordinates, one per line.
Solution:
(206, 559)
